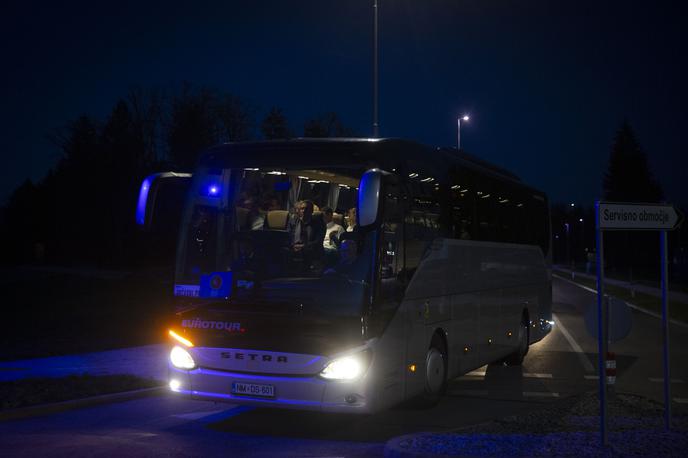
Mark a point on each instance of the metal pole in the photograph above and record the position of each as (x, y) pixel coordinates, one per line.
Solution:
(601, 329)
(376, 124)
(665, 329)
(458, 133)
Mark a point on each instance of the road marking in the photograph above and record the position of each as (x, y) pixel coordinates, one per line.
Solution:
(479, 393)
(681, 400)
(572, 342)
(540, 394)
(476, 374)
(591, 377)
(197, 415)
(661, 379)
(534, 375)
(633, 306)
(481, 374)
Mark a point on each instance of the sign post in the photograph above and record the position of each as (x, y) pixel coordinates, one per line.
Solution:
(629, 216)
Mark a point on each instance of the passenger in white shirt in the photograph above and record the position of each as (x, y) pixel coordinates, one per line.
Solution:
(332, 230)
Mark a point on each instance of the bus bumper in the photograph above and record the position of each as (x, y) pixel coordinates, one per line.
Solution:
(290, 392)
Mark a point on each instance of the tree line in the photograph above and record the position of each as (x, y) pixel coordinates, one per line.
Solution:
(82, 211)
(631, 255)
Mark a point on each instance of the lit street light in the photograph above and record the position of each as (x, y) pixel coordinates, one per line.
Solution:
(458, 130)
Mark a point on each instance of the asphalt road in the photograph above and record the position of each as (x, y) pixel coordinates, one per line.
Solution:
(561, 365)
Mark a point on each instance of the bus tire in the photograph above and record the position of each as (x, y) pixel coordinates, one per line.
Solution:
(435, 373)
(516, 358)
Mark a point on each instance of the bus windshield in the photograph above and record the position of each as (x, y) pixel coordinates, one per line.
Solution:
(288, 237)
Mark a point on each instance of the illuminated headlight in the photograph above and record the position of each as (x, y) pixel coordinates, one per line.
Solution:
(347, 367)
(181, 358)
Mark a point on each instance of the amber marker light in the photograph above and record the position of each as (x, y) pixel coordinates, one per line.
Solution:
(180, 339)
(412, 368)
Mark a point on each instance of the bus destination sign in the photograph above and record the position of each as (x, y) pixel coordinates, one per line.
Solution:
(643, 217)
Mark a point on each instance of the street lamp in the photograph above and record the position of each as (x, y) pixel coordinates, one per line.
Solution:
(458, 130)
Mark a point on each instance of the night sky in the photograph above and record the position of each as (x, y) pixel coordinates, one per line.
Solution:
(547, 83)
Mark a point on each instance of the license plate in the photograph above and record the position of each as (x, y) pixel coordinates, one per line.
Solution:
(253, 389)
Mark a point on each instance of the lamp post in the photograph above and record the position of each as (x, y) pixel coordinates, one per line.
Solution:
(376, 124)
(458, 130)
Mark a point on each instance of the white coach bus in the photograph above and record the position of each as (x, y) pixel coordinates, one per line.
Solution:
(442, 265)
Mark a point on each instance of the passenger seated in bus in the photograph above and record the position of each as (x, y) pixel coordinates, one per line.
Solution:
(351, 219)
(307, 233)
(332, 230)
(254, 219)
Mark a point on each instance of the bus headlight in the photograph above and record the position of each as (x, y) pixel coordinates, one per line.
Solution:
(347, 367)
(181, 358)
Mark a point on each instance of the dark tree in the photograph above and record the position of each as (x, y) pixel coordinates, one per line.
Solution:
(628, 177)
(326, 125)
(275, 125)
(192, 126)
(235, 118)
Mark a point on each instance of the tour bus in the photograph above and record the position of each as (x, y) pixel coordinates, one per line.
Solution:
(447, 268)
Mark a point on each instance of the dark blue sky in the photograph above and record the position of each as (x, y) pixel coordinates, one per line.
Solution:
(547, 82)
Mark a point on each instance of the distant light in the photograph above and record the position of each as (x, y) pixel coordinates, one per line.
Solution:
(213, 190)
(465, 118)
(573, 205)
(412, 368)
(580, 220)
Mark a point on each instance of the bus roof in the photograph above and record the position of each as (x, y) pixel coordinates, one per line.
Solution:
(355, 153)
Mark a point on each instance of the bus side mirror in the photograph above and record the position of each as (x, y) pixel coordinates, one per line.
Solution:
(369, 192)
(160, 194)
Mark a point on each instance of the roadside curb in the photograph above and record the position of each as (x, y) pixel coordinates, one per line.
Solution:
(57, 407)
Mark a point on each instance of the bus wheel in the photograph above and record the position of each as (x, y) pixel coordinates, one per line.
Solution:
(435, 372)
(516, 358)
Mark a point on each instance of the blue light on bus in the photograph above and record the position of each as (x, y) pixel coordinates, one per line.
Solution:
(211, 190)
(143, 199)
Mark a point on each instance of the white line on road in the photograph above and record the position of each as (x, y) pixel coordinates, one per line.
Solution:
(591, 377)
(481, 374)
(633, 306)
(197, 415)
(661, 379)
(572, 342)
(534, 375)
(481, 393)
(681, 400)
(476, 374)
(540, 394)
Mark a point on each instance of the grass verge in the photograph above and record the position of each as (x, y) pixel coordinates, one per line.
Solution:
(677, 310)
(29, 392)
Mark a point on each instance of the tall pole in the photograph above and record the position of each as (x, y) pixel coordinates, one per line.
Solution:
(602, 315)
(376, 124)
(458, 133)
(665, 330)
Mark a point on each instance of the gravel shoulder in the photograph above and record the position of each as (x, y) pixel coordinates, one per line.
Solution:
(567, 428)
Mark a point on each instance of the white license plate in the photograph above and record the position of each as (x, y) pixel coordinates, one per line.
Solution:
(253, 389)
